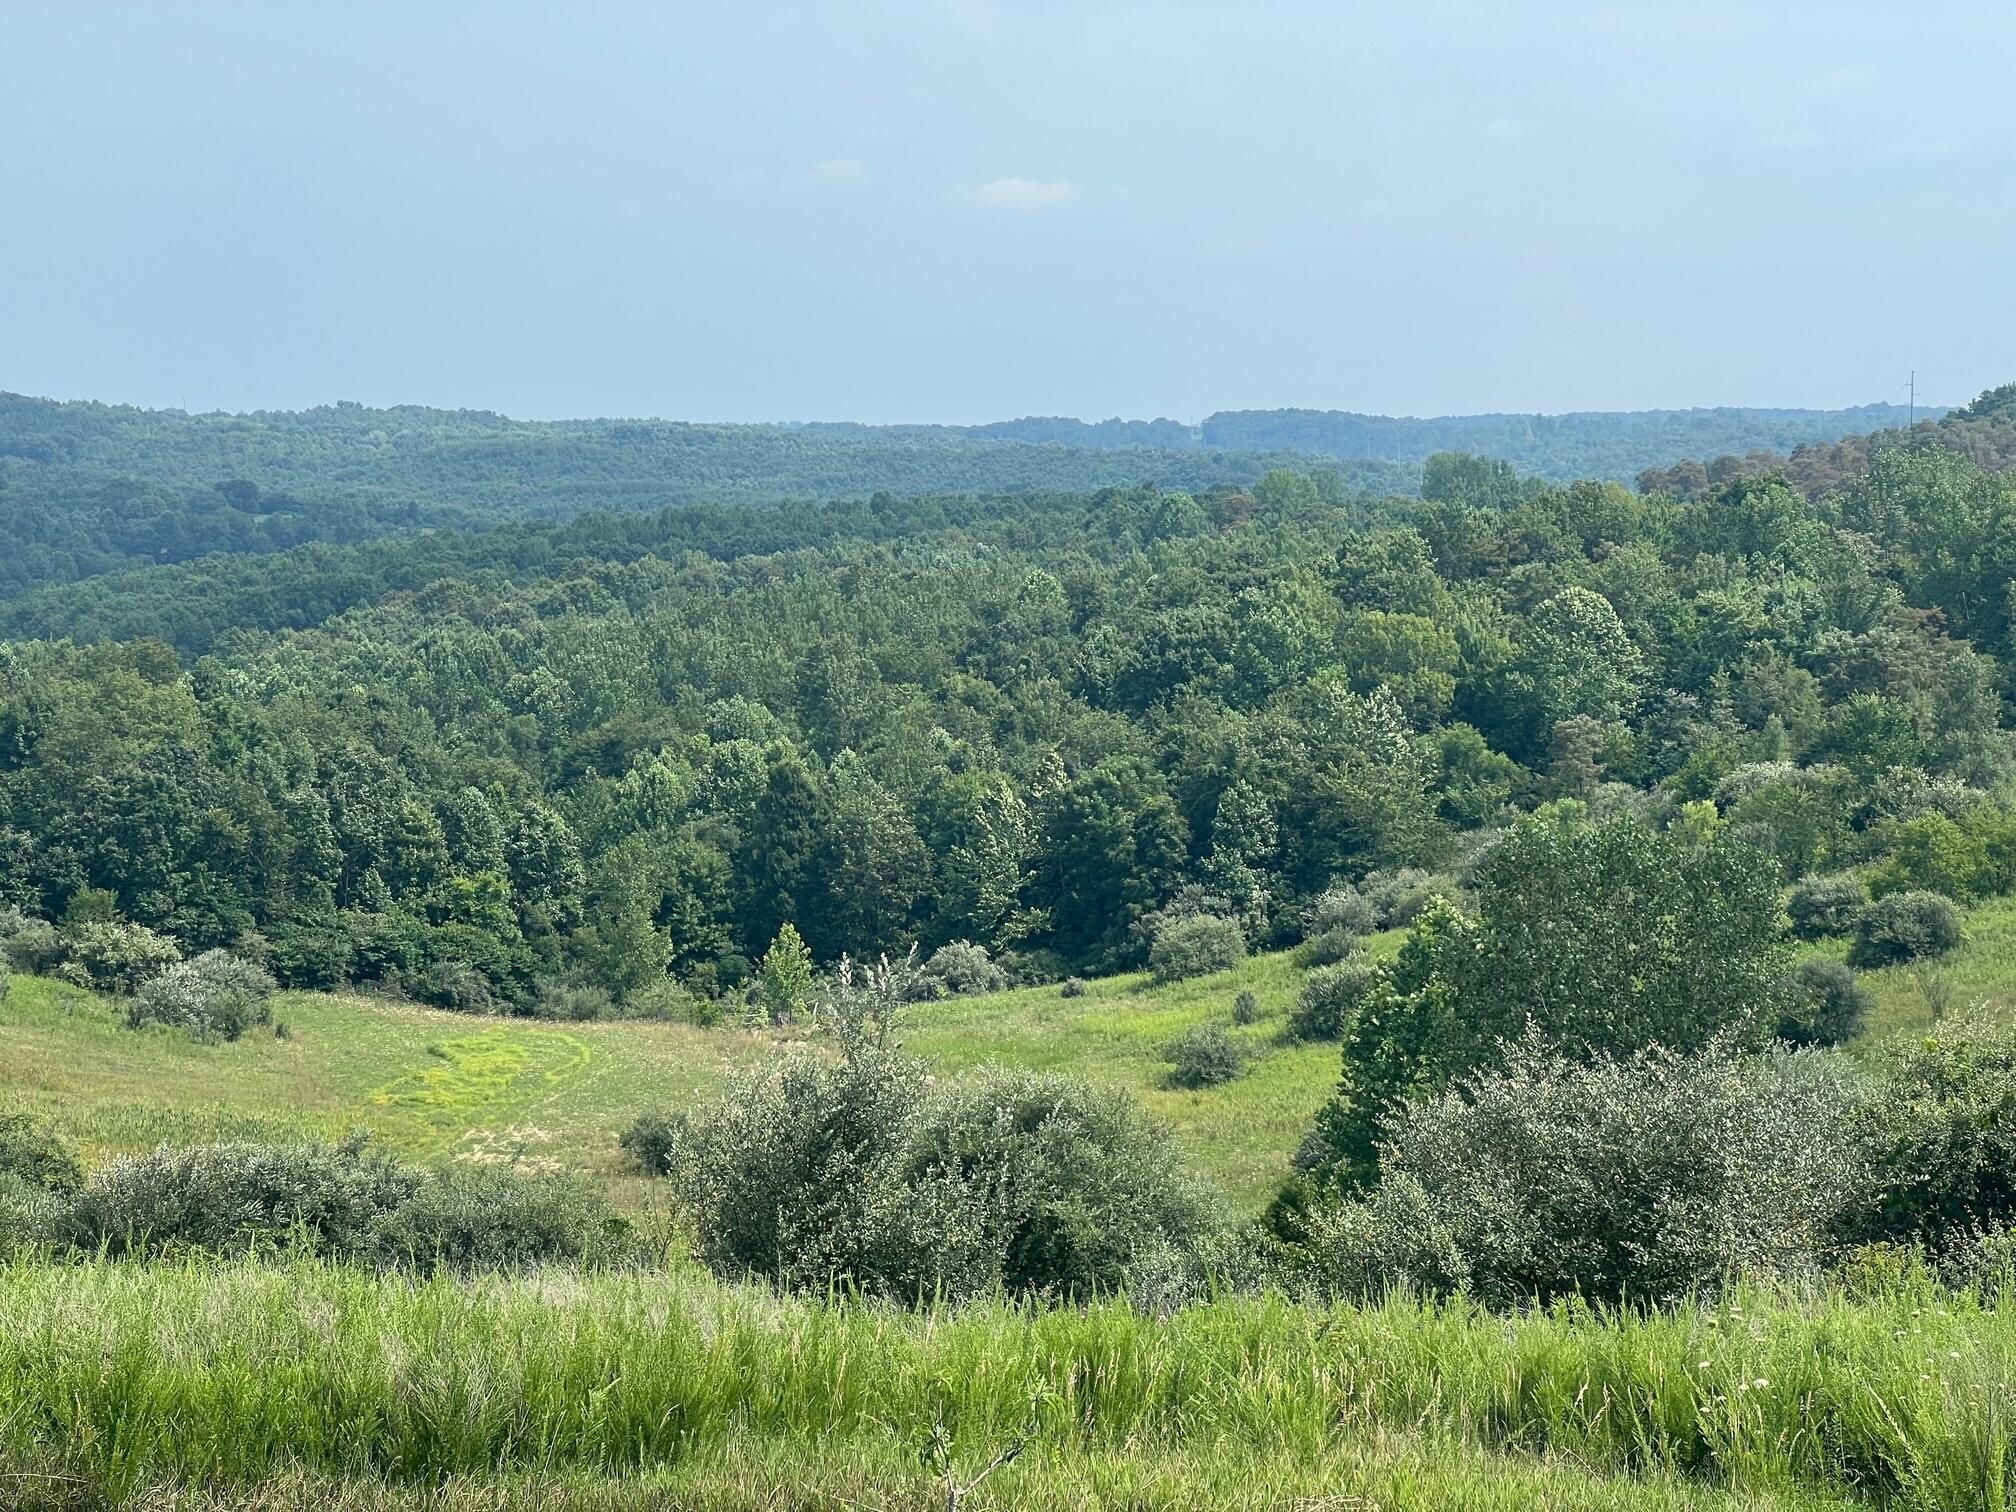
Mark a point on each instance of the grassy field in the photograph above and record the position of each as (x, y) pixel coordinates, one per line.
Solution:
(449, 1086)
(1978, 977)
(672, 1389)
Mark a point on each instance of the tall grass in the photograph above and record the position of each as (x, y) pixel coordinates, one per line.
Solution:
(121, 1376)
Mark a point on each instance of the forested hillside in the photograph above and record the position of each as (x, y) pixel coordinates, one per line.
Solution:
(1560, 448)
(88, 489)
(619, 749)
(1984, 431)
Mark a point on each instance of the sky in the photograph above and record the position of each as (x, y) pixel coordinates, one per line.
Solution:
(969, 210)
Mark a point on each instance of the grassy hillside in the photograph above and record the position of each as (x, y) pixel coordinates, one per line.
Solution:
(451, 1086)
(446, 1086)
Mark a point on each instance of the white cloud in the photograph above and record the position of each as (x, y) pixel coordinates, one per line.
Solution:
(1021, 194)
(838, 174)
(1849, 79)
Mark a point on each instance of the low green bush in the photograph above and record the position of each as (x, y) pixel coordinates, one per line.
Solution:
(1639, 1180)
(1905, 926)
(115, 957)
(1943, 1139)
(1205, 1056)
(30, 945)
(343, 1201)
(235, 1195)
(818, 1170)
(215, 995)
(32, 1152)
(649, 1143)
(492, 1218)
(1825, 1004)
(1822, 906)
(1331, 997)
(961, 969)
(1195, 945)
(1041, 1185)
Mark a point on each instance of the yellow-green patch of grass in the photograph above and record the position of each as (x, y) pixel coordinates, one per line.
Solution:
(430, 1084)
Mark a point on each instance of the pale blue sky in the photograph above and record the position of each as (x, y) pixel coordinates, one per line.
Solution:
(969, 211)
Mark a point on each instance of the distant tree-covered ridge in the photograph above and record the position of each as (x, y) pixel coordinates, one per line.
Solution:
(88, 489)
(1984, 432)
(1591, 444)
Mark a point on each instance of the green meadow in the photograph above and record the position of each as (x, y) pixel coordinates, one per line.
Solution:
(444, 1086)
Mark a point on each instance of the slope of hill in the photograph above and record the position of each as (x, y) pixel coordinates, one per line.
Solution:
(443, 1086)
(1983, 431)
(453, 1086)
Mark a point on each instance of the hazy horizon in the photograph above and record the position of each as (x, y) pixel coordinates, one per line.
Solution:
(904, 212)
(1924, 408)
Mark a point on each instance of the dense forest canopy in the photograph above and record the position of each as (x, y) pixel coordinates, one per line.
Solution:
(88, 489)
(619, 748)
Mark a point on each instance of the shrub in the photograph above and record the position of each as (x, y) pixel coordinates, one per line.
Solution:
(1904, 927)
(1206, 1056)
(666, 1001)
(33, 1153)
(311, 956)
(1822, 906)
(28, 1214)
(216, 995)
(1074, 987)
(1331, 997)
(1246, 1007)
(650, 1143)
(1042, 1185)
(489, 1218)
(816, 1170)
(1397, 897)
(788, 1174)
(575, 1002)
(1644, 1179)
(341, 1201)
(962, 969)
(456, 986)
(1943, 1134)
(118, 958)
(6, 979)
(1341, 910)
(1826, 1004)
(231, 1196)
(31, 945)
(1328, 948)
(1195, 946)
